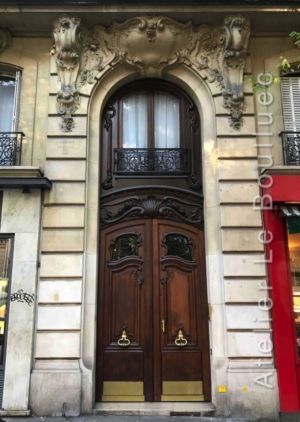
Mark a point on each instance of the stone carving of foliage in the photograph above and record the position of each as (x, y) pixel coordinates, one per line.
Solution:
(151, 45)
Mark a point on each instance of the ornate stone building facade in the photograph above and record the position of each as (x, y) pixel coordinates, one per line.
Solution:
(131, 215)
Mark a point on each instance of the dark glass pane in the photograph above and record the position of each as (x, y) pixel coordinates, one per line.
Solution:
(5, 246)
(178, 245)
(124, 245)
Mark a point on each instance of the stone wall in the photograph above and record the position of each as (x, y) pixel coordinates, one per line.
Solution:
(21, 218)
(64, 348)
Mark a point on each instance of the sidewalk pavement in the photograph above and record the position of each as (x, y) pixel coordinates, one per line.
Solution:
(121, 418)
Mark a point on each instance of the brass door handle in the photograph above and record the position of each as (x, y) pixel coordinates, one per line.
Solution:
(180, 340)
(124, 340)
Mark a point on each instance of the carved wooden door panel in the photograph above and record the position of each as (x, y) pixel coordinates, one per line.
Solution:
(152, 329)
(182, 367)
(124, 308)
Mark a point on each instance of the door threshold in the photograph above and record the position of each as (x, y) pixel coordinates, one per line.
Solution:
(155, 409)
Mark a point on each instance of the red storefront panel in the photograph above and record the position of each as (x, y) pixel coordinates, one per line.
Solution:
(285, 188)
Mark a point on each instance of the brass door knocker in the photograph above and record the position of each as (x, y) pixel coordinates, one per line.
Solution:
(124, 341)
(180, 340)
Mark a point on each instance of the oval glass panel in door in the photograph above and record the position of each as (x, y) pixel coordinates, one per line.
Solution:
(125, 245)
(179, 245)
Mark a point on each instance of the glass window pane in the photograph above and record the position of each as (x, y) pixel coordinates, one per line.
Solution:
(5, 247)
(135, 121)
(294, 253)
(7, 99)
(166, 121)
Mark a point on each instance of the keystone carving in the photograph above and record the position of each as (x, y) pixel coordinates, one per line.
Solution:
(68, 51)
(151, 45)
(5, 39)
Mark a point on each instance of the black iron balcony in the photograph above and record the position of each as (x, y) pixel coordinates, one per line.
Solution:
(291, 148)
(10, 148)
(151, 161)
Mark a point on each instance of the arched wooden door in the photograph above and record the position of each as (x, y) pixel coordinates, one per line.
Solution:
(153, 314)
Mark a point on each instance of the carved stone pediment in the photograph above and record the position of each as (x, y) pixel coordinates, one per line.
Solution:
(152, 42)
(5, 39)
(152, 45)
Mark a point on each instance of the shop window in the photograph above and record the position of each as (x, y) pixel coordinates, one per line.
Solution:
(294, 255)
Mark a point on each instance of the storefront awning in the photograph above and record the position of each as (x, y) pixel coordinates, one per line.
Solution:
(292, 214)
(290, 210)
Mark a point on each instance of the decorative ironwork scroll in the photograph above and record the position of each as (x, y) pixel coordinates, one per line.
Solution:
(179, 245)
(10, 148)
(125, 245)
(151, 161)
(291, 148)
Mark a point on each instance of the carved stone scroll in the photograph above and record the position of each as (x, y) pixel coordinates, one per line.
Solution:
(151, 45)
(5, 39)
(68, 54)
(237, 31)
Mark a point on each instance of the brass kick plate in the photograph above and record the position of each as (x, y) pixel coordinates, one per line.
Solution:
(182, 391)
(130, 391)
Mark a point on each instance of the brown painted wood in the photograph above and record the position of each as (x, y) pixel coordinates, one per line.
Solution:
(173, 289)
(184, 306)
(189, 137)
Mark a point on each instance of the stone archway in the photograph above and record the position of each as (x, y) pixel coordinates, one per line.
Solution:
(150, 47)
(88, 73)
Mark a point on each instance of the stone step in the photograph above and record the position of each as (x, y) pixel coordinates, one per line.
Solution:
(155, 409)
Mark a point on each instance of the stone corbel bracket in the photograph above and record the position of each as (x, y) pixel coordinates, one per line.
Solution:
(233, 60)
(68, 52)
(5, 39)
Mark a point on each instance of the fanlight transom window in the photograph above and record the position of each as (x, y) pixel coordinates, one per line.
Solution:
(151, 121)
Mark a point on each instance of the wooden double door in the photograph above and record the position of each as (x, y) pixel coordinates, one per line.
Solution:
(153, 313)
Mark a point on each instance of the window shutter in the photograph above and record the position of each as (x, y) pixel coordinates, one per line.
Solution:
(290, 94)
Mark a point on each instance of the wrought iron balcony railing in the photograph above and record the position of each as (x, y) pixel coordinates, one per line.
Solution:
(10, 148)
(291, 148)
(151, 161)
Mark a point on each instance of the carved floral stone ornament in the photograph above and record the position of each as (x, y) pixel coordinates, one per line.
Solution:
(68, 51)
(5, 39)
(151, 45)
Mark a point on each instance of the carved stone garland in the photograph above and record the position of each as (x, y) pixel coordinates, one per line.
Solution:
(151, 45)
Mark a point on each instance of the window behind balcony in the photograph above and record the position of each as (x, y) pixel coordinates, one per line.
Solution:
(9, 99)
(151, 131)
(151, 121)
(290, 92)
